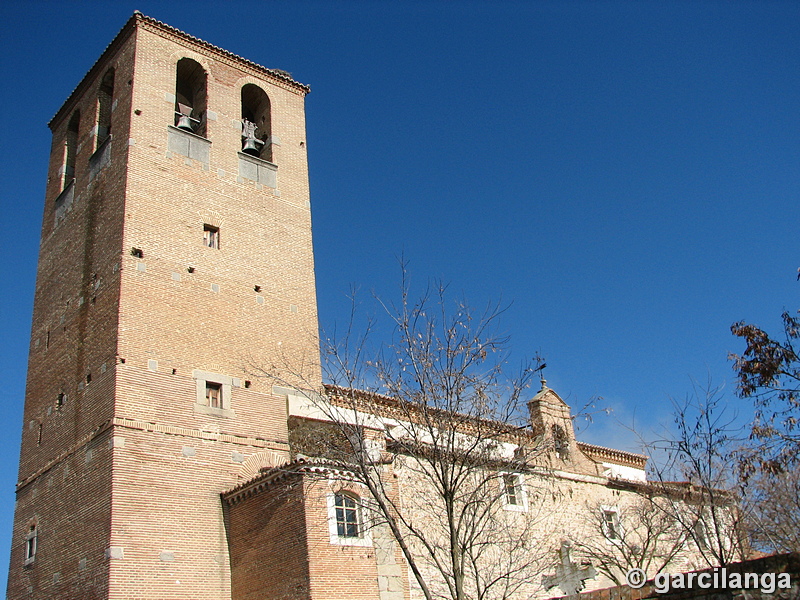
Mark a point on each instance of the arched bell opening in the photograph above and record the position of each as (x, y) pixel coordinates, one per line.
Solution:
(256, 122)
(190, 96)
(105, 98)
(71, 148)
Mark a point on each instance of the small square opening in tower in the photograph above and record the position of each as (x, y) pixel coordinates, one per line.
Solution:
(31, 543)
(213, 394)
(210, 236)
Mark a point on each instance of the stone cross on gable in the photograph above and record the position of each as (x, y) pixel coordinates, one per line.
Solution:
(569, 577)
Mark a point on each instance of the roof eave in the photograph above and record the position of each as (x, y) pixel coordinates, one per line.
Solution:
(119, 39)
(126, 31)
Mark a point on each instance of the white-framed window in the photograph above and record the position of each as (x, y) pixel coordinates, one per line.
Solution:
(612, 529)
(214, 393)
(348, 518)
(514, 496)
(347, 524)
(31, 543)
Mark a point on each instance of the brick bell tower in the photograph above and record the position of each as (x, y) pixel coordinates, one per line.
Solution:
(175, 250)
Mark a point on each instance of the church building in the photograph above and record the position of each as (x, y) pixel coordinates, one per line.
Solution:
(175, 246)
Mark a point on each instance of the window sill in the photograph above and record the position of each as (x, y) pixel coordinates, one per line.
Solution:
(365, 541)
(258, 160)
(258, 170)
(202, 409)
(189, 133)
(188, 144)
(100, 158)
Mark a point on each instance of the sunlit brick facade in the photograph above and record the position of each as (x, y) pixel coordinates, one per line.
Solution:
(123, 452)
(176, 253)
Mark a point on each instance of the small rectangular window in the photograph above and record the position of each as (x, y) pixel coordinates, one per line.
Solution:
(31, 541)
(347, 517)
(213, 394)
(512, 489)
(211, 236)
(611, 527)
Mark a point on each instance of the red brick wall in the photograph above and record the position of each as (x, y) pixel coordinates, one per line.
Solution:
(71, 506)
(98, 312)
(74, 334)
(281, 547)
(267, 533)
(335, 571)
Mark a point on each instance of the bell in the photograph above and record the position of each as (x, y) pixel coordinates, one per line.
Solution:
(252, 146)
(184, 122)
(185, 119)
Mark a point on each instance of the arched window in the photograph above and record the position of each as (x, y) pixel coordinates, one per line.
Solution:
(105, 97)
(71, 148)
(256, 122)
(560, 442)
(348, 516)
(190, 96)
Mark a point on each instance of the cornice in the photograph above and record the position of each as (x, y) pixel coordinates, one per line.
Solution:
(139, 20)
(279, 77)
(268, 477)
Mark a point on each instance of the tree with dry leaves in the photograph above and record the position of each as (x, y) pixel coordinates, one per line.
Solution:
(768, 372)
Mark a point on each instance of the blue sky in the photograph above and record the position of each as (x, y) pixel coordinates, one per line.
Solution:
(626, 175)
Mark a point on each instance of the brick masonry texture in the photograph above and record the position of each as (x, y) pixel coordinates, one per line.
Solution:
(123, 462)
(122, 475)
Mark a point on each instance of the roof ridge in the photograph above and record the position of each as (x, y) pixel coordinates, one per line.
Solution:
(279, 73)
(139, 17)
(589, 446)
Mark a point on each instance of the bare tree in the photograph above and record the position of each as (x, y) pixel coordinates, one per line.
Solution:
(694, 467)
(642, 535)
(434, 428)
(773, 510)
